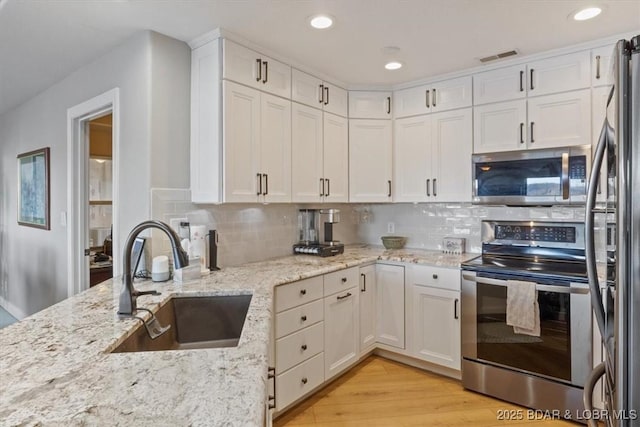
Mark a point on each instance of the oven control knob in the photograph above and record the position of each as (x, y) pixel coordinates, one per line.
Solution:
(516, 236)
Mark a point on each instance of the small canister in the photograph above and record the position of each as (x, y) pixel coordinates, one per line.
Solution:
(160, 269)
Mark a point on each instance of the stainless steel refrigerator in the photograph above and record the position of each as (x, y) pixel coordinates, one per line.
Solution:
(616, 300)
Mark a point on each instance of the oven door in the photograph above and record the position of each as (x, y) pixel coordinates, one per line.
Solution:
(561, 352)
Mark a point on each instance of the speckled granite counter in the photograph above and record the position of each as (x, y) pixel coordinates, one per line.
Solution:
(56, 367)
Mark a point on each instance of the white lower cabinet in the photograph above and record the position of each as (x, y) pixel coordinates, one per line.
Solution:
(435, 315)
(390, 305)
(341, 332)
(300, 380)
(367, 308)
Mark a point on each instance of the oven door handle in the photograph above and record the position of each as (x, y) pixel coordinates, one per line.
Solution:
(539, 287)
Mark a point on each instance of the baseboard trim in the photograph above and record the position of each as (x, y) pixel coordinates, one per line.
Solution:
(417, 363)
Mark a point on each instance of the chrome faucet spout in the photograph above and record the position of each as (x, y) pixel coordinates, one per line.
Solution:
(128, 294)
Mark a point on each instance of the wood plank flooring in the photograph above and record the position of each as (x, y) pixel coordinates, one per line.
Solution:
(380, 392)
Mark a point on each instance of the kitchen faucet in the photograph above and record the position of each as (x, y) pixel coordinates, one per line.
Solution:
(129, 295)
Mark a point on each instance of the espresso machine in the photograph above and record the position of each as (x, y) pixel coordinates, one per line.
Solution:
(316, 232)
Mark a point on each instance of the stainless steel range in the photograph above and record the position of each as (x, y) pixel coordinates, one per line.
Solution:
(545, 368)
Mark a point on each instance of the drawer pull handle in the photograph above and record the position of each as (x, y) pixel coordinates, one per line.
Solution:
(435, 276)
(303, 291)
(303, 347)
(303, 318)
(304, 380)
(271, 374)
(344, 280)
(344, 296)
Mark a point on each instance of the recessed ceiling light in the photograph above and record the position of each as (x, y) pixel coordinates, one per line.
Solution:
(587, 13)
(321, 22)
(393, 65)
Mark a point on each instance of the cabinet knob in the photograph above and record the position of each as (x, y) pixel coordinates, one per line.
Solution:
(303, 347)
(303, 291)
(435, 276)
(303, 318)
(344, 280)
(304, 380)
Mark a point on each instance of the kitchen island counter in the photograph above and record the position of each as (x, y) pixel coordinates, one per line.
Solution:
(56, 367)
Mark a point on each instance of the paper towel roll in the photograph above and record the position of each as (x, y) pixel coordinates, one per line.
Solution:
(198, 244)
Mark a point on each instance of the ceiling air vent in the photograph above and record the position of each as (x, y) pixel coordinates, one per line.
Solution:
(498, 56)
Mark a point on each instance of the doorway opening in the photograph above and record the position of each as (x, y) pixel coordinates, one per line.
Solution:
(92, 187)
(100, 199)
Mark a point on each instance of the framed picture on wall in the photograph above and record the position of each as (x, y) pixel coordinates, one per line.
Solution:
(33, 189)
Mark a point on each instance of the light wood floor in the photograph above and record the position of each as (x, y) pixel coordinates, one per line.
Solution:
(380, 392)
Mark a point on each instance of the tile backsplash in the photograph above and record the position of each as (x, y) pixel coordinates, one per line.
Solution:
(255, 232)
(426, 224)
(246, 232)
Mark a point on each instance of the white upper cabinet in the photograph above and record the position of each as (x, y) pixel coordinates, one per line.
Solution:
(500, 127)
(451, 162)
(412, 101)
(560, 120)
(336, 158)
(502, 84)
(369, 105)
(257, 155)
(309, 90)
(559, 74)
(307, 154)
(601, 73)
(451, 94)
(440, 96)
(370, 166)
(412, 159)
(253, 69)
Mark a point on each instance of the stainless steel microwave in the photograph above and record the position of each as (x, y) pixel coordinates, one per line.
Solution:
(545, 177)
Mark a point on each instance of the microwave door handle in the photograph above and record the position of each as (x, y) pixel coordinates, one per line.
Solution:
(589, 227)
(565, 176)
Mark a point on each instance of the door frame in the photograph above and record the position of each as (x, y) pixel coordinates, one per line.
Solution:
(77, 189)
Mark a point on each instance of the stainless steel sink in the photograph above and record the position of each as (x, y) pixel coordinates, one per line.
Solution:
(196, 322)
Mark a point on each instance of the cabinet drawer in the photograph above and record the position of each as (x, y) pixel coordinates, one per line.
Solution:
(437, 277)
(296, 318)
(299, 381)
(339, 281)
(298, 347)
(297, 293)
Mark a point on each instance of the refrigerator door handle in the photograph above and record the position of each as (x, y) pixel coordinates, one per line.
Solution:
(589, 387)
(590, 251)
(565, 176)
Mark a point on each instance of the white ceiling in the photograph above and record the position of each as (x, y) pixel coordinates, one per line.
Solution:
(42, 41)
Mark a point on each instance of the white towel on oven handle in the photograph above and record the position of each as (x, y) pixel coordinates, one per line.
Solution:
(523, 311)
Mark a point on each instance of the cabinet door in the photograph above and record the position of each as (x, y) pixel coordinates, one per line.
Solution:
(500, 127)
(502, 84)
(599, 98)
(367, 308)
(241, 135)
(451, 165)
(336, 158)
(451, 94)
(276, 77)
(390, 305)
(412, 101)
(370, 160)
(306, 89)
(369, 105)
(412, 159)
(559, 74)
(436, 326)
(601, 66)
(275, 148)
(560, 120)
(241, 64)
(341, 331)
(306, 153)
(336, 100)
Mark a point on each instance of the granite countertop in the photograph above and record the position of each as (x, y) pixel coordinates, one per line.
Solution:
(56, 367)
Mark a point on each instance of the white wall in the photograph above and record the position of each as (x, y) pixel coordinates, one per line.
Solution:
(33, 262)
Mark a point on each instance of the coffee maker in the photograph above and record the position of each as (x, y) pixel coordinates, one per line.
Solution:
(316, 232)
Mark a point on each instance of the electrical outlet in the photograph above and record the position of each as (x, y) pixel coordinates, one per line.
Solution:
(391, 227)
(175, 223)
